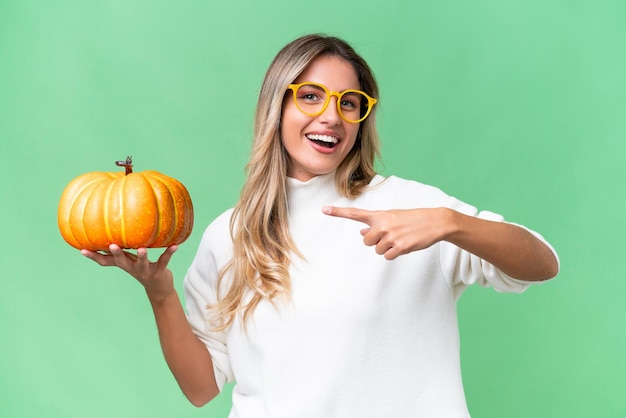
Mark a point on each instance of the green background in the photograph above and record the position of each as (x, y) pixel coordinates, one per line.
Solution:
(518, 107)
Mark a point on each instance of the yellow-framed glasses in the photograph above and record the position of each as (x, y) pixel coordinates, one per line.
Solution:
(312, 99)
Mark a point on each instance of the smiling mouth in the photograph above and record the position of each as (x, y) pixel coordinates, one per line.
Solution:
(323, 140)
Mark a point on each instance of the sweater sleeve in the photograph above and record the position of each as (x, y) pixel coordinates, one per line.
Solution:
(199, 287)
(462, 268)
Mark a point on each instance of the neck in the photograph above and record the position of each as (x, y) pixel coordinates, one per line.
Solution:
(311, 195)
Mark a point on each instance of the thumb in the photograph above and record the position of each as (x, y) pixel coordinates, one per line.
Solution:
(164, 259)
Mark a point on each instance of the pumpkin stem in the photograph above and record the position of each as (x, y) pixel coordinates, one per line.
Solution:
(128, 164)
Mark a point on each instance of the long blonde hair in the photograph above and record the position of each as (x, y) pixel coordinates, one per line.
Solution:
(262, 244)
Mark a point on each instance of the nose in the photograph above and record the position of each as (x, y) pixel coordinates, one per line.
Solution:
(331, 114)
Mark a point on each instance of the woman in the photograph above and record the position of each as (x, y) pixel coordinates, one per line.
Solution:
(330, 291)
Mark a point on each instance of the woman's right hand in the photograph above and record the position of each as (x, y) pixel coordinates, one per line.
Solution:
(155, 277)
(188, 358)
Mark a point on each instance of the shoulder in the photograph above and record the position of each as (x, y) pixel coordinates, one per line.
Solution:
(398, 191)
(400, 183)
(218, 230)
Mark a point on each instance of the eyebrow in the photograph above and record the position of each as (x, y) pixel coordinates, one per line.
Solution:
(315, 84)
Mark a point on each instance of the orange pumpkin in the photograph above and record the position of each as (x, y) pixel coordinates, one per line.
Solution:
(133, 210)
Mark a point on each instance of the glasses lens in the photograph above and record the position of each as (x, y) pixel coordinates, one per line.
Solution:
(311, 99)
(353, 105)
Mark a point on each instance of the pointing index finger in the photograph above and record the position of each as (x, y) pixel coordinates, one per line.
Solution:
(355, 214)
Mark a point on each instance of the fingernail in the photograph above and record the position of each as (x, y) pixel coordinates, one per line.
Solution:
(327, 209)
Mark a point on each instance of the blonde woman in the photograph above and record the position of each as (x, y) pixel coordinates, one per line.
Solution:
(330, 291)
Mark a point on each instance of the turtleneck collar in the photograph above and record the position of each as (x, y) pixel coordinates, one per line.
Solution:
(311, 195)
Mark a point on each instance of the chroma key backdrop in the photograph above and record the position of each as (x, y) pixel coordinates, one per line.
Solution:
(518, 107)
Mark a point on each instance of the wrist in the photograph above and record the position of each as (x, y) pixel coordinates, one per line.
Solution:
(160, 298)
(452, 224)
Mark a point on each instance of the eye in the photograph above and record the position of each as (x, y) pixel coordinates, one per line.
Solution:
(350, 101)
(311, 94)
(348, 104)
(310, 97)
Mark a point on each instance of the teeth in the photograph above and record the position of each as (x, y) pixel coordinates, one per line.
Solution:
(324, 138)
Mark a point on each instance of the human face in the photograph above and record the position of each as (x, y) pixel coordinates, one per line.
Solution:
(318, 144)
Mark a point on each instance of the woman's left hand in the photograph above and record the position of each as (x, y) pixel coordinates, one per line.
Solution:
(512, 249)
(398, 231)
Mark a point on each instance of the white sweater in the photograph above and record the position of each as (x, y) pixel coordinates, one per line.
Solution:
(363, 336)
